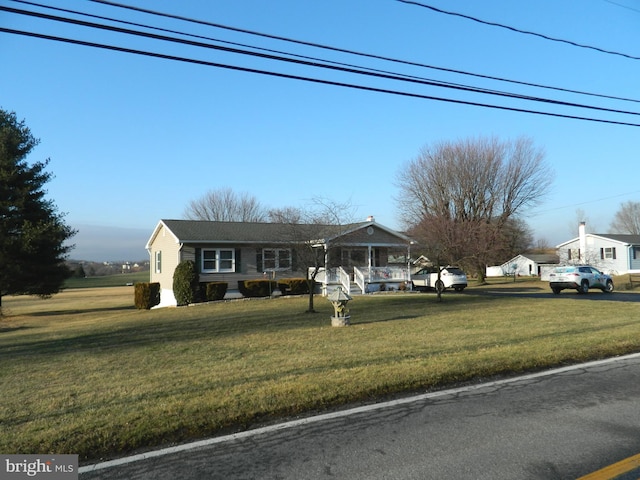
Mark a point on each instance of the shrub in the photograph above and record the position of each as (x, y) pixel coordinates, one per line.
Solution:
(293, 286)
(146, 295)
(257, 288)
(186, 287)
(215, 290)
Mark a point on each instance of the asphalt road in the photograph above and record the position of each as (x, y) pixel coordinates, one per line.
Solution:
(561, 424)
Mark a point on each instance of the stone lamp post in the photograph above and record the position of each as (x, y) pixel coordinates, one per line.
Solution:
(339, 300)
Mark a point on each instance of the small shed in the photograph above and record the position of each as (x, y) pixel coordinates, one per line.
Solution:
(524, 265)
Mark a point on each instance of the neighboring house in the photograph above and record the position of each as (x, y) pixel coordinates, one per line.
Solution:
(230, 251)
(524, 265)
(419, 263)
(612, 253)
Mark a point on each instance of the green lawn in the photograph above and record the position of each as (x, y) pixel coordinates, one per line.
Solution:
(107, 280)
(86, 373)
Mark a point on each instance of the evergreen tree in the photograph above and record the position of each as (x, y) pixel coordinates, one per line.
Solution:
(32, 232)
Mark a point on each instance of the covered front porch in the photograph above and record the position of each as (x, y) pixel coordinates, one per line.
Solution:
(364, 258)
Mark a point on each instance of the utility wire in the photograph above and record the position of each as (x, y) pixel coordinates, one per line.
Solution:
(351, 52)
(307, 79)
(517, 30)
(623, 6)
(306, 63)
(203, 37)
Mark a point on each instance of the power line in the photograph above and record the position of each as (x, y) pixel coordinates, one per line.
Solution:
(343, 50)
(203, 37)
(358, 71)
(307, 79)
(517, 30)
(623, 6)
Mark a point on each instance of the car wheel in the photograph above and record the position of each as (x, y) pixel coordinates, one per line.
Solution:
(584, 287)
(439, 286)
(556, 291)
(608, 288)
(459, 289)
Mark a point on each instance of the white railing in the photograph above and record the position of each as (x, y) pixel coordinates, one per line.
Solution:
(345, 280)
(363, 276)
(366, 275)
(358, 276)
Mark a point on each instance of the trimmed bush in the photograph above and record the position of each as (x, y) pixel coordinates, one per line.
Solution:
(257, 288)
(215, 290)
(293, 286)
(146, 295)
(186, 287)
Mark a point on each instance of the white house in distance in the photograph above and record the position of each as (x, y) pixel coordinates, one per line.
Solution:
(612, 253)
(525, 265)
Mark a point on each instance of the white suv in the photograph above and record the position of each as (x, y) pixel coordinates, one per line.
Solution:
(579, 277)
(450, 277)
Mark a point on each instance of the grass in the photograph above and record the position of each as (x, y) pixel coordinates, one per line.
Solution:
(86, 373)
(107, 280)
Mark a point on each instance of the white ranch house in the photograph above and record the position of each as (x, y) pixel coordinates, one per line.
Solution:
(612, 253)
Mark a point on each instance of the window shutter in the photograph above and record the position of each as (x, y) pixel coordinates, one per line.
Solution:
(198, 260)
(569, 254)
(614, 252)
(238, 261)
(602, 254)
(259, 260)
(294, 260)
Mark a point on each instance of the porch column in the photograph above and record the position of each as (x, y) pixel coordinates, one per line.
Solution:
(370, 253)
(409, 262)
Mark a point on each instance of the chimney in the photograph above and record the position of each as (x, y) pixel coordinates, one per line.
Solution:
(370, 218)
(582, 233)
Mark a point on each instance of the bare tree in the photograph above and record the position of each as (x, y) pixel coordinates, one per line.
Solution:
(287, 215)
(225, 205)
(305, 230)
(627, 219)
(467, 197)
(582, 217)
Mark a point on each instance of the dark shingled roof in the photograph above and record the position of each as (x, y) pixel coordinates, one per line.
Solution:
(246, 232)
(621, 237)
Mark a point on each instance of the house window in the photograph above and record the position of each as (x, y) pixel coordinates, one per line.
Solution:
(158, 262)
(276, 259)
(218, 260)
(608, 253)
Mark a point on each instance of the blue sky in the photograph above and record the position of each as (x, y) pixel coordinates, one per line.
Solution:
(133, 139)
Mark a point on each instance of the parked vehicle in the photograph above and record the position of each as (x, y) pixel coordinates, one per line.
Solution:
(580, 278)
(450, 277)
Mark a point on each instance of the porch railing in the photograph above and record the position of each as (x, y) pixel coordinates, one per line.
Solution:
(345, 280)
(361, 275)
(365, 275)
(359, 278)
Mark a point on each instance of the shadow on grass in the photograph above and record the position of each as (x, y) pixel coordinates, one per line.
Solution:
(13, 329)
(79, 311)
(153, 329)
